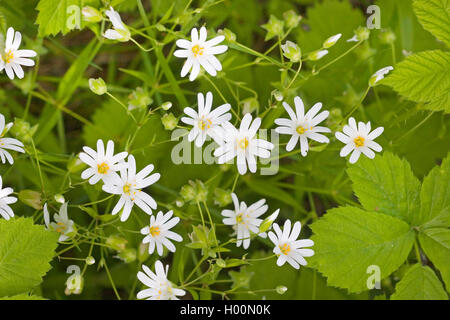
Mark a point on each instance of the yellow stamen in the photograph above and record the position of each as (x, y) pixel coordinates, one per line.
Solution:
(285, 248)
(127, 188)
(239, 218)
(359, 142)
(62, 227)
(204, 124)
(155, 231)
(102, 168)
(243, 143)
(9, 56)
(197, 50)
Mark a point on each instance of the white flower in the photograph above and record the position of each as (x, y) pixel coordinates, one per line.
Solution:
(359, 140)
(317, 55)
(103, 166)
(8, 143)
(303, 126)
(287, 247)
(13, 58)
(199, 52)
(62, 223)
(129, 186)
(243, 144)
(159, 288)
(5, 210)
(158, 233)
(205, 122)
(119, 32)
(245, 219)
(379, 75)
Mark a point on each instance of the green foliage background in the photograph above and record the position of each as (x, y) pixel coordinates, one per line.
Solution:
(392, 211)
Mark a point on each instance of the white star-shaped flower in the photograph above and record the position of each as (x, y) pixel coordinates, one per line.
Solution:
(245, 220)
(8, 143)
(359, 139)
(103, 166)
(14, 58)
(287, 247)
(199, 52)
(129, 186)
(5, 200)
(119, 31)
(159, 287)
(205, 122)
(303, 126)
(242, 144)
(62, 224)
(158, 234)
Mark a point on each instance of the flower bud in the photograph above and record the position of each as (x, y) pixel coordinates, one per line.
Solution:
(166, 105)
(291, 18)
(331, 41)
(187, 192)
(388, 37)
(222, 197)
(267, 222)
(98, 86)
(249, 105)
(139, 99)
(229, 35)
(90, 260)
(291, 51)
(59, 198)
(91, 14)
(128, 255)
(116, 242)
(274, 27)
(361, 34)
(143, 252)
(379, 75)
(169, 121)
(75, 165)
(317, 55)
(21, 129)
(31, 198)
(221, 263)
(281, 289)
(277, 95)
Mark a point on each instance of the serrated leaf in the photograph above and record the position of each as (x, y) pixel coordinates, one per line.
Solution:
(435, 197)
(435, 243)
(348, 240)
(386, 184)
(434, 15)
(25, 252)
(424, 77)
(419, 283)
(58, 16)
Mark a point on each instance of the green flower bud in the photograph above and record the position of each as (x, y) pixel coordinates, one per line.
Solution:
(379, 75)
(116, 242)
(169, 121)
(249, 105)
(317, 55)
(361, 34)
(31, 198)
(387, 37)
(143, 252)
(98, 86)
(277, 95)
(90, 260)
(179, 203)
(281, 289)
(331, 41)
(128, 255)
(222, 197)
(75, 165)
(229, 35)
(166, 105)
(267, 222)
(291, 18)
(91, 14)
(59, 198)
(22, 130)
(187, 192)
(221, 263)
(139, 99)
(274, 27)
(291, 51)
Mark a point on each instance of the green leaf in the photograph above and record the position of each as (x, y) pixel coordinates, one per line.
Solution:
(23, 296)
(419, 283)
(25, 253)
(348, 240)
(386, 184)
(435, 243)
(435, 197)
(58, 16)
(434, 15)
(424, 77)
